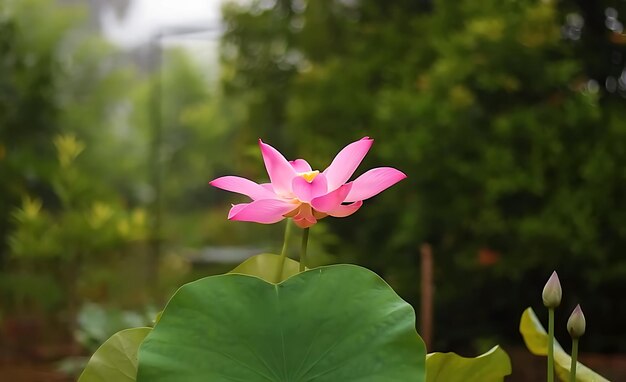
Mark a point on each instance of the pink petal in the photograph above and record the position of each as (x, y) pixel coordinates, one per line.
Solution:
(304, 223)
(331, 200)
(243, 186)
(280, 171)
(306, 191)
(234, 210)
(304, 218)
(346, 209)
(373, 182)
(346, 162)
(300, 165)
(265, 211)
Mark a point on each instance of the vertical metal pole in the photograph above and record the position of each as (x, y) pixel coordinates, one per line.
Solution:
(427, 295)
(156, 164)
(156, 160)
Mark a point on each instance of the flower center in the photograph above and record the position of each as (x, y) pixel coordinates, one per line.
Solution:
(309, 175)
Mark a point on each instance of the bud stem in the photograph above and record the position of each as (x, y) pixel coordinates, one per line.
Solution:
(305, 242)
(572, 369)
(283, 253)
(550, 345)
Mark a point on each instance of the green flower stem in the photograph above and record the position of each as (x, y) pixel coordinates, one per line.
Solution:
(550, 345)
(283, 253)
(572, 372)
(305, 242)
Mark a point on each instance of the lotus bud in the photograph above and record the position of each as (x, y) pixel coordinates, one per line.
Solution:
(576, 323)
(552, 292)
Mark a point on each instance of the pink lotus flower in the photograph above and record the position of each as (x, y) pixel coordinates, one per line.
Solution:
(305, 195)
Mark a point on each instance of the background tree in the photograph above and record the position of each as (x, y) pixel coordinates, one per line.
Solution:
(65, 219)
(29, 61)
(498, 113)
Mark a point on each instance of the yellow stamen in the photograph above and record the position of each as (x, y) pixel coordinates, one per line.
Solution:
(310, 175)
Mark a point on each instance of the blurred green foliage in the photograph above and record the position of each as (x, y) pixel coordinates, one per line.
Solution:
(513, 149)
(69, 218)
(28, 109)
(68, 242)
(77, 161)
(97, 324)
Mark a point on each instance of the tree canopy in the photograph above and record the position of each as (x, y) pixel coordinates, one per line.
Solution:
(497, 111)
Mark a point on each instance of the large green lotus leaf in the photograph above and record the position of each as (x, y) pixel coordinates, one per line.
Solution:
(116, 359)
(265, 266)
(536, 339)
(329, 324)
(492, 366)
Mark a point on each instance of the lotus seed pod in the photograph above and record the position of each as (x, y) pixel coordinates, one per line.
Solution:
(576, 323)
(552, 292)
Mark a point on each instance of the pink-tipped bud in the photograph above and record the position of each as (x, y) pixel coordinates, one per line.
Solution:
(552, 292)
(576, 323)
